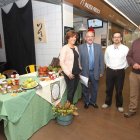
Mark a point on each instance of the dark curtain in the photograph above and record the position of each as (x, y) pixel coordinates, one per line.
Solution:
(19, 37)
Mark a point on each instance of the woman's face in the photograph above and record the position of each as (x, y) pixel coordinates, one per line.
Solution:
(72, 40)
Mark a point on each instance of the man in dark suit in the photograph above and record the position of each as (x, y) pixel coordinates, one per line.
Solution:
(92, 62)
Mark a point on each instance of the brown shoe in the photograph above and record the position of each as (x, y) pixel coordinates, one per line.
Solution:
(129, 114)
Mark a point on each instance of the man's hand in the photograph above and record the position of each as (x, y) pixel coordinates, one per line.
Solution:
(136, 66)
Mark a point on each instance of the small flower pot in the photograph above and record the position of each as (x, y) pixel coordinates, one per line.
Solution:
(64, 120)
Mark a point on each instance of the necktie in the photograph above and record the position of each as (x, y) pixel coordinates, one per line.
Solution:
(91, 58)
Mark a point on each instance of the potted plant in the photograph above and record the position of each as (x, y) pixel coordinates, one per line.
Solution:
(64, 113)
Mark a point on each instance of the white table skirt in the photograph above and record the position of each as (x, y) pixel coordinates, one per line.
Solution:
(46, 91)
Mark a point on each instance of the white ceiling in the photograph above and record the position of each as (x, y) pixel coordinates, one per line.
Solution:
(130, 8)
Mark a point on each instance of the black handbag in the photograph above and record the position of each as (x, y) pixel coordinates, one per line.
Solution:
(55, 62)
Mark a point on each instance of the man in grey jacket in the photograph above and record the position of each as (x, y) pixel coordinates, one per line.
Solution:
(92, 63)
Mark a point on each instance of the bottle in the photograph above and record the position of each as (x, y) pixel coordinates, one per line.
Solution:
(9, 89)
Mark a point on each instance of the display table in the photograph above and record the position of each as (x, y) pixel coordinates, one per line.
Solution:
(27, 112)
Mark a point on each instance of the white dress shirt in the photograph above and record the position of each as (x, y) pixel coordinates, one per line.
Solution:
(115, 58)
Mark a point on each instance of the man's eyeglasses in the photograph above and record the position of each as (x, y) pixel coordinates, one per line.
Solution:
(116, 37)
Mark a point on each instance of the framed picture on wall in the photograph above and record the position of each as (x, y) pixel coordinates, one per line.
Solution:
(103, 40)
(66, 29)
(40, 31)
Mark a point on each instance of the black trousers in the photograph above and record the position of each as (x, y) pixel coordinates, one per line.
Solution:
(114, 78)
(71, 87)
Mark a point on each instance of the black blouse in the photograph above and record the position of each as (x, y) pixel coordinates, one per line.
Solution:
(76, 70)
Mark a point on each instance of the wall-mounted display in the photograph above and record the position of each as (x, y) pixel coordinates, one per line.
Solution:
(95, 23)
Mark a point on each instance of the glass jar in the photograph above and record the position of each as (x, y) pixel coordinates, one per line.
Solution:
(4, 91)
(9, 89)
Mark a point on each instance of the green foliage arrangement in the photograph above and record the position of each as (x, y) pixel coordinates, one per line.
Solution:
(54, 68)
(65, 109)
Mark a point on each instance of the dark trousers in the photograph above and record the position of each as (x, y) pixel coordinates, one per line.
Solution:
(90, 93)
(114, 78)
(71, 87)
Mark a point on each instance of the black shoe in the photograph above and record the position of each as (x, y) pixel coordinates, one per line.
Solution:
(86, 106)
(94, 105)
(129, 114)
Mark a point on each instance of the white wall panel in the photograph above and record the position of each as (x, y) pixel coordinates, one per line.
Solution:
(53, 24)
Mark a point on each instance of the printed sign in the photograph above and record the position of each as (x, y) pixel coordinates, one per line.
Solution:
(40, 31)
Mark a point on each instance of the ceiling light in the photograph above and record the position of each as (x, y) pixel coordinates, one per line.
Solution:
(121, 12)
(82, 28)
(137, 1)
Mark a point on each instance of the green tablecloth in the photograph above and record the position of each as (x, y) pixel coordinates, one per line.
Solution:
(11, 107)
(26, 113)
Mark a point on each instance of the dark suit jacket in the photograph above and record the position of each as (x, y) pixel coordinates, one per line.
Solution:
(98, 60)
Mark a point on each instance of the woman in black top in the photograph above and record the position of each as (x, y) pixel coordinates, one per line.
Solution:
(69, 62)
